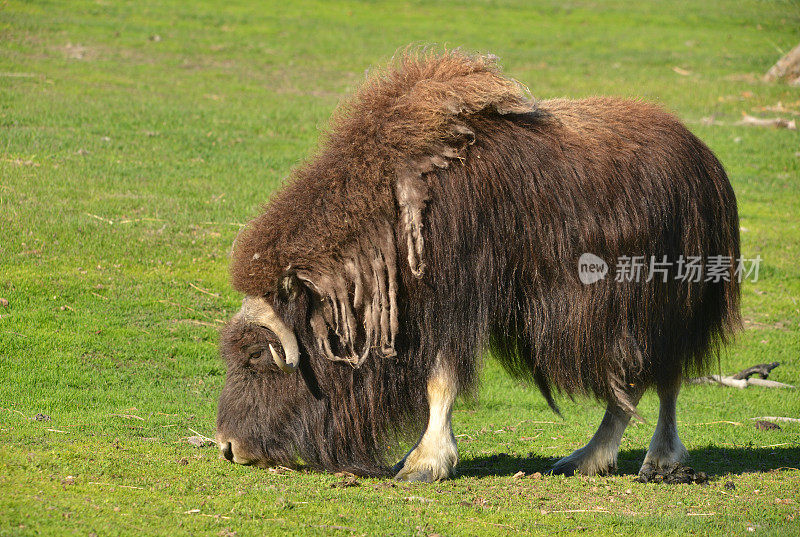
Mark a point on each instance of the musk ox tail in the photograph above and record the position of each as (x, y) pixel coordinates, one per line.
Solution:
(718, 306)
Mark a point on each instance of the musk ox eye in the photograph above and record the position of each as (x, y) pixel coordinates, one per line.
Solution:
(255, 355)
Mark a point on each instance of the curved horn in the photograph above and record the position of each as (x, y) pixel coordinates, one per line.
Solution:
(256, 310)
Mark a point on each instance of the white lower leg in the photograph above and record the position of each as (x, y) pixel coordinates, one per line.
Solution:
(666, 447)
(435, 455)
(599, 456)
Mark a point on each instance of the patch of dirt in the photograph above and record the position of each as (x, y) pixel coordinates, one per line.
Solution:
(76, 51)
(350, 480)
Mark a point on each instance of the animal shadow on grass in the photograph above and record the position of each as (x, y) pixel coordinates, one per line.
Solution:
(713, 460)
(501, 464)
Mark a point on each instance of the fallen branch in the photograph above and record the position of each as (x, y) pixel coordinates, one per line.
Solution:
(777, 418)
(742, 379)
(776, 122)
(762, 370)
(768, 383)
(738, 383)
(788, 68)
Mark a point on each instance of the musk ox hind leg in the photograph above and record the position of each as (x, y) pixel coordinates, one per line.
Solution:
(666, 448)
(435, 455)
(599, 456)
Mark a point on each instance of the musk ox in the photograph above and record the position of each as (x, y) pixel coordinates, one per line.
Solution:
(443, 215)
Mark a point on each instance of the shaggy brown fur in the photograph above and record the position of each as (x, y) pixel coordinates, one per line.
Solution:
(444, 212)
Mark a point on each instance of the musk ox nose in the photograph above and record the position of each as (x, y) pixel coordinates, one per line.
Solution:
(227, 450)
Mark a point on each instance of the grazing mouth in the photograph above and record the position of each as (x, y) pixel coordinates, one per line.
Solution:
(231, 450)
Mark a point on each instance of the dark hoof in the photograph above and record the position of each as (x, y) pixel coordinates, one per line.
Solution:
(567, 470)
(671, 475)
(419, 476)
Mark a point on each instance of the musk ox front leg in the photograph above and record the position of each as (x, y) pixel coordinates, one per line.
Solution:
(599, 456)
(435, 455)
(666, 448)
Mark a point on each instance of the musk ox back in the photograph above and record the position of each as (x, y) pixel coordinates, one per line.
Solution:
(445, 213)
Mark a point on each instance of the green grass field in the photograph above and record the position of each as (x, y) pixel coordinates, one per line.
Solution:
(137, 137)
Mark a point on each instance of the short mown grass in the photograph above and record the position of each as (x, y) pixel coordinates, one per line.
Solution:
(137, 137)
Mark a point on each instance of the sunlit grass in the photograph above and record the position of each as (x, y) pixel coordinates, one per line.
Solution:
(136, 138)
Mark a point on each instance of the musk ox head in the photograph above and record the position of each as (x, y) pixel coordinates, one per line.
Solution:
(286, 403)
(262, 355)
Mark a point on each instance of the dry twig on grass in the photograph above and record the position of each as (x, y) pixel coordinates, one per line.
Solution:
(742, 379)
(776, 122)
(127, 416)
(195, 321)
(762, 370)
(777, 418)
(200, 440)
(106, 220)
(206, 291)
(787, 68)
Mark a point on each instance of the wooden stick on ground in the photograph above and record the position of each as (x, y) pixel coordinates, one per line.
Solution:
(742, 379)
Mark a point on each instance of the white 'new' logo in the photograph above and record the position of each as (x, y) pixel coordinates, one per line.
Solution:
(591, 268)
